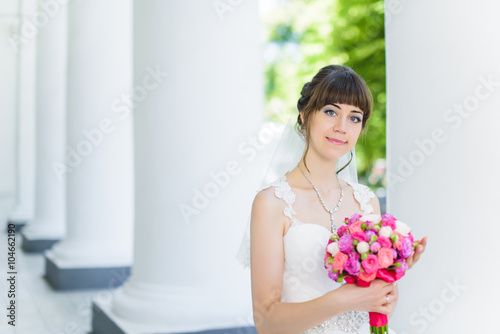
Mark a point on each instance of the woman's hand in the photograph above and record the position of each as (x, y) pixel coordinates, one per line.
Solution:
(393, 299)
(379, 297)
(418, 251)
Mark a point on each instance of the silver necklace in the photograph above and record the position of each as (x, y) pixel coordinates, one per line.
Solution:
(334, 228)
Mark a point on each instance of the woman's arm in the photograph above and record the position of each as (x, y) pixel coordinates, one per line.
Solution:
(267, 258)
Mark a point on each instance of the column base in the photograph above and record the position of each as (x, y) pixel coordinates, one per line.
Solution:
(37, 245)
(103, 323)
(84, 278)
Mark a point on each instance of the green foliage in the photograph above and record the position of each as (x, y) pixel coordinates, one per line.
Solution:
(305, 35)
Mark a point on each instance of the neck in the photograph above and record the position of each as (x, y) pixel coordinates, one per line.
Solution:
(321, 173)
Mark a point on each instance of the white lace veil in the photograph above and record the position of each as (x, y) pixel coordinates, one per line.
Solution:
(287, 154)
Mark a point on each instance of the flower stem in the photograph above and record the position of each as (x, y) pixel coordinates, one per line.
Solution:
(379, 330)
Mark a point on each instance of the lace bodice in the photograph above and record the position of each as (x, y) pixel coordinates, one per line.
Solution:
(304, 275)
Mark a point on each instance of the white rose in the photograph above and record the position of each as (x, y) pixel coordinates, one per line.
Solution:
(333, 248)
(385, 231)
(402, 228)
(362, 247)
(374, 218)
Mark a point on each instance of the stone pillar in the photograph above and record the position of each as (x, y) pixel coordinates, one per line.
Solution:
(9, 49)
(443, 95)
(25, 139)
(48, 224)
(99, 164)
(195, 136)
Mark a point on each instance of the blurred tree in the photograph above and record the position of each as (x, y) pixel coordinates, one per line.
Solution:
(304, 35)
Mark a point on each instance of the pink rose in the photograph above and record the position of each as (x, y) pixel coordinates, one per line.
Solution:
(406, 248)
(345, 244)
(403, 268)
(384, 242)
(329, 266)
(333, 276)
(369, 234)
(355, 256)
(354, 218)
(375, 246)
(385, 257)
(360, 236)
(411, 238)
(389, 220)
(355, 228)
(352, 266)
(370, 264)
(341, 230)
(339, 261)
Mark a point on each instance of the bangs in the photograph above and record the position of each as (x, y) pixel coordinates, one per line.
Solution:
(342, 87)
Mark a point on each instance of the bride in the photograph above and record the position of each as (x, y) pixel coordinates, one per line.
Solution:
(293, 218)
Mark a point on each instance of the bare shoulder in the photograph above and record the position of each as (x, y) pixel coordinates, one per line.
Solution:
(266, 203)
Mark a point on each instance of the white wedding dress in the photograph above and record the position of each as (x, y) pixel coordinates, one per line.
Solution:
(304, 276)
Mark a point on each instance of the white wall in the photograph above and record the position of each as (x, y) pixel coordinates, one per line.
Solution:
(442, 147)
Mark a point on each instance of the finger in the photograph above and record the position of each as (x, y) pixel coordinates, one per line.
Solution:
(409, 261)
(386, 300)
(388, 289)
(419, 251)
(421, 244)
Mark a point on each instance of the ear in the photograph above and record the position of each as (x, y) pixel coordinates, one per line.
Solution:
(302, 116)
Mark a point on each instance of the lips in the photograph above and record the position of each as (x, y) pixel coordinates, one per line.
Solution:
(335, 141)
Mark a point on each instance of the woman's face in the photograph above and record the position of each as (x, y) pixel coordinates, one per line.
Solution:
(334, 129)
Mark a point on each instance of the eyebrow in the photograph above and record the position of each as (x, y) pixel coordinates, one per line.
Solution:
(357, 111)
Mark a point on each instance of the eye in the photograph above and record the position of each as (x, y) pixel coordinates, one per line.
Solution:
(356, 119)
(330, 112)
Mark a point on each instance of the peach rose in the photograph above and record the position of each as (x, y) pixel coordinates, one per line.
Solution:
(339, 261)
(385, 257)
(368, 277)
(355, 227)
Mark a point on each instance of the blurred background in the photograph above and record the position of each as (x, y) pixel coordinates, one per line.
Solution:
(135, 134)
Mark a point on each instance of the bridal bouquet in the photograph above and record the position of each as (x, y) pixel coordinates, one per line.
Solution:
(368, 247)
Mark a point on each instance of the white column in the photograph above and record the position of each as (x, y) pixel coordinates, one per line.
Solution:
(9, 49)
(48, 224)
(25, 141)
(443, 82)
(98, 168)
(193, 157)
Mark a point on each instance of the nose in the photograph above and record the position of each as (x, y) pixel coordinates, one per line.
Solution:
(340, 125)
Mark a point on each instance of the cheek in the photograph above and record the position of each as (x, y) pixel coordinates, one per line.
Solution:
(354, 132)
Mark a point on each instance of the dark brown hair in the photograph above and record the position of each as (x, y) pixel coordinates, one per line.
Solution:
(333, 84)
